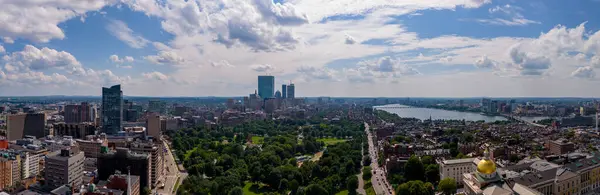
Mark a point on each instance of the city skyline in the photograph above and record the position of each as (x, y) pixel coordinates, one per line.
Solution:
(457, 48)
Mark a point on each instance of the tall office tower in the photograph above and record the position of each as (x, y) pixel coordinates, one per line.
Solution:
(78, 113)
(291, 91)
(153, 125)
(266, 86)
(112, 109)
(64, 167)
(284, 91)
(20, 125)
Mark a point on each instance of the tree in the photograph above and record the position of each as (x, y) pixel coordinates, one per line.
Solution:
(460, 155)
(146, 191)
(432, 172)
(315, 189)
(367, 173)
(352, 184)
(415, 188)
(414, 169)
(367, 160)
(447, 186)
(426, 160)
(283, 185)
(294, 185)
(236, 191)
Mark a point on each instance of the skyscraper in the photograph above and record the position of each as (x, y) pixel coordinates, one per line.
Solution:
(266, 86)
(284, 91)
(291, 91)
(112, 109)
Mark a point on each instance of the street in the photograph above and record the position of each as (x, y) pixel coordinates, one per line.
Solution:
(379, 180)
(171, 173)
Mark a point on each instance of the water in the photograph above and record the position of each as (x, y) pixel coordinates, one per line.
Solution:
(424, 113)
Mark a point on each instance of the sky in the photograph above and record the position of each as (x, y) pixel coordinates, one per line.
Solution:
(375, 48)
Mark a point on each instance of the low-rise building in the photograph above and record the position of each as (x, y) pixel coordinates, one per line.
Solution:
(456, 168)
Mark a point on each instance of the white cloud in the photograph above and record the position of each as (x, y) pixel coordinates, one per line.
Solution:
(350, 40)
(311, 72)
(262, 68)
(32, 58)
(508, 15)
(320, 9)
(165, 57)
(155, 75)
(222, 63)
(115, 58)
(584, 72)
(485, 62)
(120, 30)
(8, 40)
(595, 61)
(40, 23)
(2, 50)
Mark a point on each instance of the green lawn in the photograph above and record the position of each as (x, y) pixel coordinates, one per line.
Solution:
(255, 189)
(369, 188)
(258, 139)
(331, 141)
(345, 192)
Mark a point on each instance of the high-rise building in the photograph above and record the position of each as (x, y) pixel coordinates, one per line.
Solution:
(155, 151)
(291, 91)
(284, 91)
(64, 167)
(5, 173)
(153, 125)
(78, 131)
(123, 160)
(78, 113)
(266, 86)
(112, 109)
(20, 125)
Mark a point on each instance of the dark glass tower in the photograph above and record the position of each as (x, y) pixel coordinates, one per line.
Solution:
(291, 91)
(284, 91)
(112, 109)
(266, 86)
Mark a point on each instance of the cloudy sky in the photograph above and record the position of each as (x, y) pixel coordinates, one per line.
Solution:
(425, 48)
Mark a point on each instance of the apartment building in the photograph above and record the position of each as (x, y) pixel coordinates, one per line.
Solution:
(64, 167)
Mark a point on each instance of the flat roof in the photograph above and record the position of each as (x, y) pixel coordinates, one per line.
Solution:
(458, 161)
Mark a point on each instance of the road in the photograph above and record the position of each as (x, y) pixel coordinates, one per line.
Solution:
(361, 182)
(379, 180)
(171, 172)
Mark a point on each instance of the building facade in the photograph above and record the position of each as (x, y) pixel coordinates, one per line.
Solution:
(284, 91)
(561, 146)
(291, 91)
(20, 125)
(5, 173)
(153, 125)
(456, 168)
(64, 167)
(155, 151)
(78, 113)
(266, 86)
(76, 130)
(112, 109)
(123, 160)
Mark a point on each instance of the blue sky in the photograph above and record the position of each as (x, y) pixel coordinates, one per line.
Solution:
(455, 48)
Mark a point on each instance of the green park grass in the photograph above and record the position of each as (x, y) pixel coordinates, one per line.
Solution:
(258, 139)
(344, 192)
(369, 188)
(331, 141)
(255, 189)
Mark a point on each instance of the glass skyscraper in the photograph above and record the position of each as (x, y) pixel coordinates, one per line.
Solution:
(284, 91)
(112, 109)
(291, 91)
(266, 86)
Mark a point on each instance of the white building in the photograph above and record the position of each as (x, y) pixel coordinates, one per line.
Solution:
(456, 168)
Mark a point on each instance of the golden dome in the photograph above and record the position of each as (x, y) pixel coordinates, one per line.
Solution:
(486, 166)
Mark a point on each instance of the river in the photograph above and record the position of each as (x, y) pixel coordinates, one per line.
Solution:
(425, 113)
